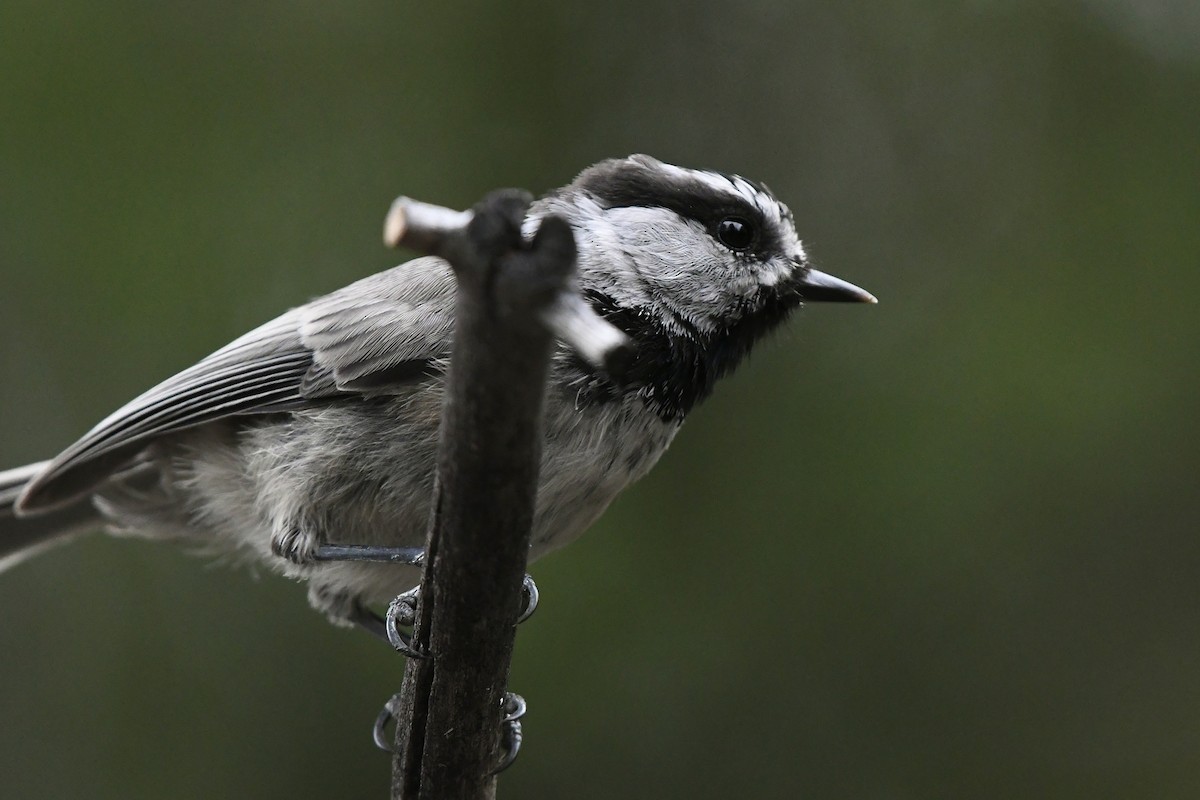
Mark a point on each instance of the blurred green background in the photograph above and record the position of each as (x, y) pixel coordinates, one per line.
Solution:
(942, 547)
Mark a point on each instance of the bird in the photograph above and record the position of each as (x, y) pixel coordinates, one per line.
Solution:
(322, 425)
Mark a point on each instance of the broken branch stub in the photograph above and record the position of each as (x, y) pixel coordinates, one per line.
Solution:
(434, 229)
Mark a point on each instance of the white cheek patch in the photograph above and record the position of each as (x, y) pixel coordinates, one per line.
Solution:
(652, 258)
(684, 269)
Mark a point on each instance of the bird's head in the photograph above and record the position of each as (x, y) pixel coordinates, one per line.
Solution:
(695, 265)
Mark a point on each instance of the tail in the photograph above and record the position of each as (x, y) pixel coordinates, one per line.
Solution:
(23, 537)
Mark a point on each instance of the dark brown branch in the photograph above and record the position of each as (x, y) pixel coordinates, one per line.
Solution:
(432, 228)
(509, 292)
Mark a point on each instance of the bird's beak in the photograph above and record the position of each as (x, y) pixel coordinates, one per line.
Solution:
(819, 287)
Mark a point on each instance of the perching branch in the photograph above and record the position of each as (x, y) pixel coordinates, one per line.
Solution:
(436, 230)
(513, 297)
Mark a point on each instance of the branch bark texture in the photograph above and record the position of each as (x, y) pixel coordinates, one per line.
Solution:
(449, 718)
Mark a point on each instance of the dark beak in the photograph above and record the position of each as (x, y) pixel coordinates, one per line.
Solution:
(821, 288)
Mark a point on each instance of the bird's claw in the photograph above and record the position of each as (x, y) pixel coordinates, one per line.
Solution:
(379, 731)
(401, 614)
(397, 624)
(514, 707)
(529, 598)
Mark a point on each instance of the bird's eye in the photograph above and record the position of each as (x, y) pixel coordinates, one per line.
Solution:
(735, 233)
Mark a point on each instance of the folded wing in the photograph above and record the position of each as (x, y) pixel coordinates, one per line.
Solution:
(368, 339)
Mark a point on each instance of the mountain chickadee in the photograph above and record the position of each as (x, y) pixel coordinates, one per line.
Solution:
(322, 425)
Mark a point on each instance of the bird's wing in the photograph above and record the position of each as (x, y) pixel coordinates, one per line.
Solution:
(367, 339)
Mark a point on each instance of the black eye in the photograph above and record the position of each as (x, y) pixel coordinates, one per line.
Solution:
(735, 233)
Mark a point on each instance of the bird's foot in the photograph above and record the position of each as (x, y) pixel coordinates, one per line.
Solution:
(401, 613)
(395, 627)
(398, 623)
(512, 708)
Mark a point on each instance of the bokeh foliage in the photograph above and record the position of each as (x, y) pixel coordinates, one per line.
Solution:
(942, 547)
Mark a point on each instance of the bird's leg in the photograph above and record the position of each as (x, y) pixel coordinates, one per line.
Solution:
(401, 611)
(412, 556)
(395, 628)
(512, 708)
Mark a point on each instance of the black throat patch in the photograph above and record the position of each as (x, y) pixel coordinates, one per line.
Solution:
(672, 371)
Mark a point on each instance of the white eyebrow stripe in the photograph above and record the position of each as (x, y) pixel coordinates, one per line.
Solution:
(740, 187)
(713, 180)
(764, 202)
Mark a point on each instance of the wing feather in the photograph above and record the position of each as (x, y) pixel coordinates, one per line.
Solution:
(370, 338)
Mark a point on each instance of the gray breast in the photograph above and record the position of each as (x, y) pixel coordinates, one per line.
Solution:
(591, 454)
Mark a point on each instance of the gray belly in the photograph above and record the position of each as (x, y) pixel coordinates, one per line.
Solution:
(589, 457)
(363, 474)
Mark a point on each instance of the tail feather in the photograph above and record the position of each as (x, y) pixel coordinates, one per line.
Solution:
(23, 537)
